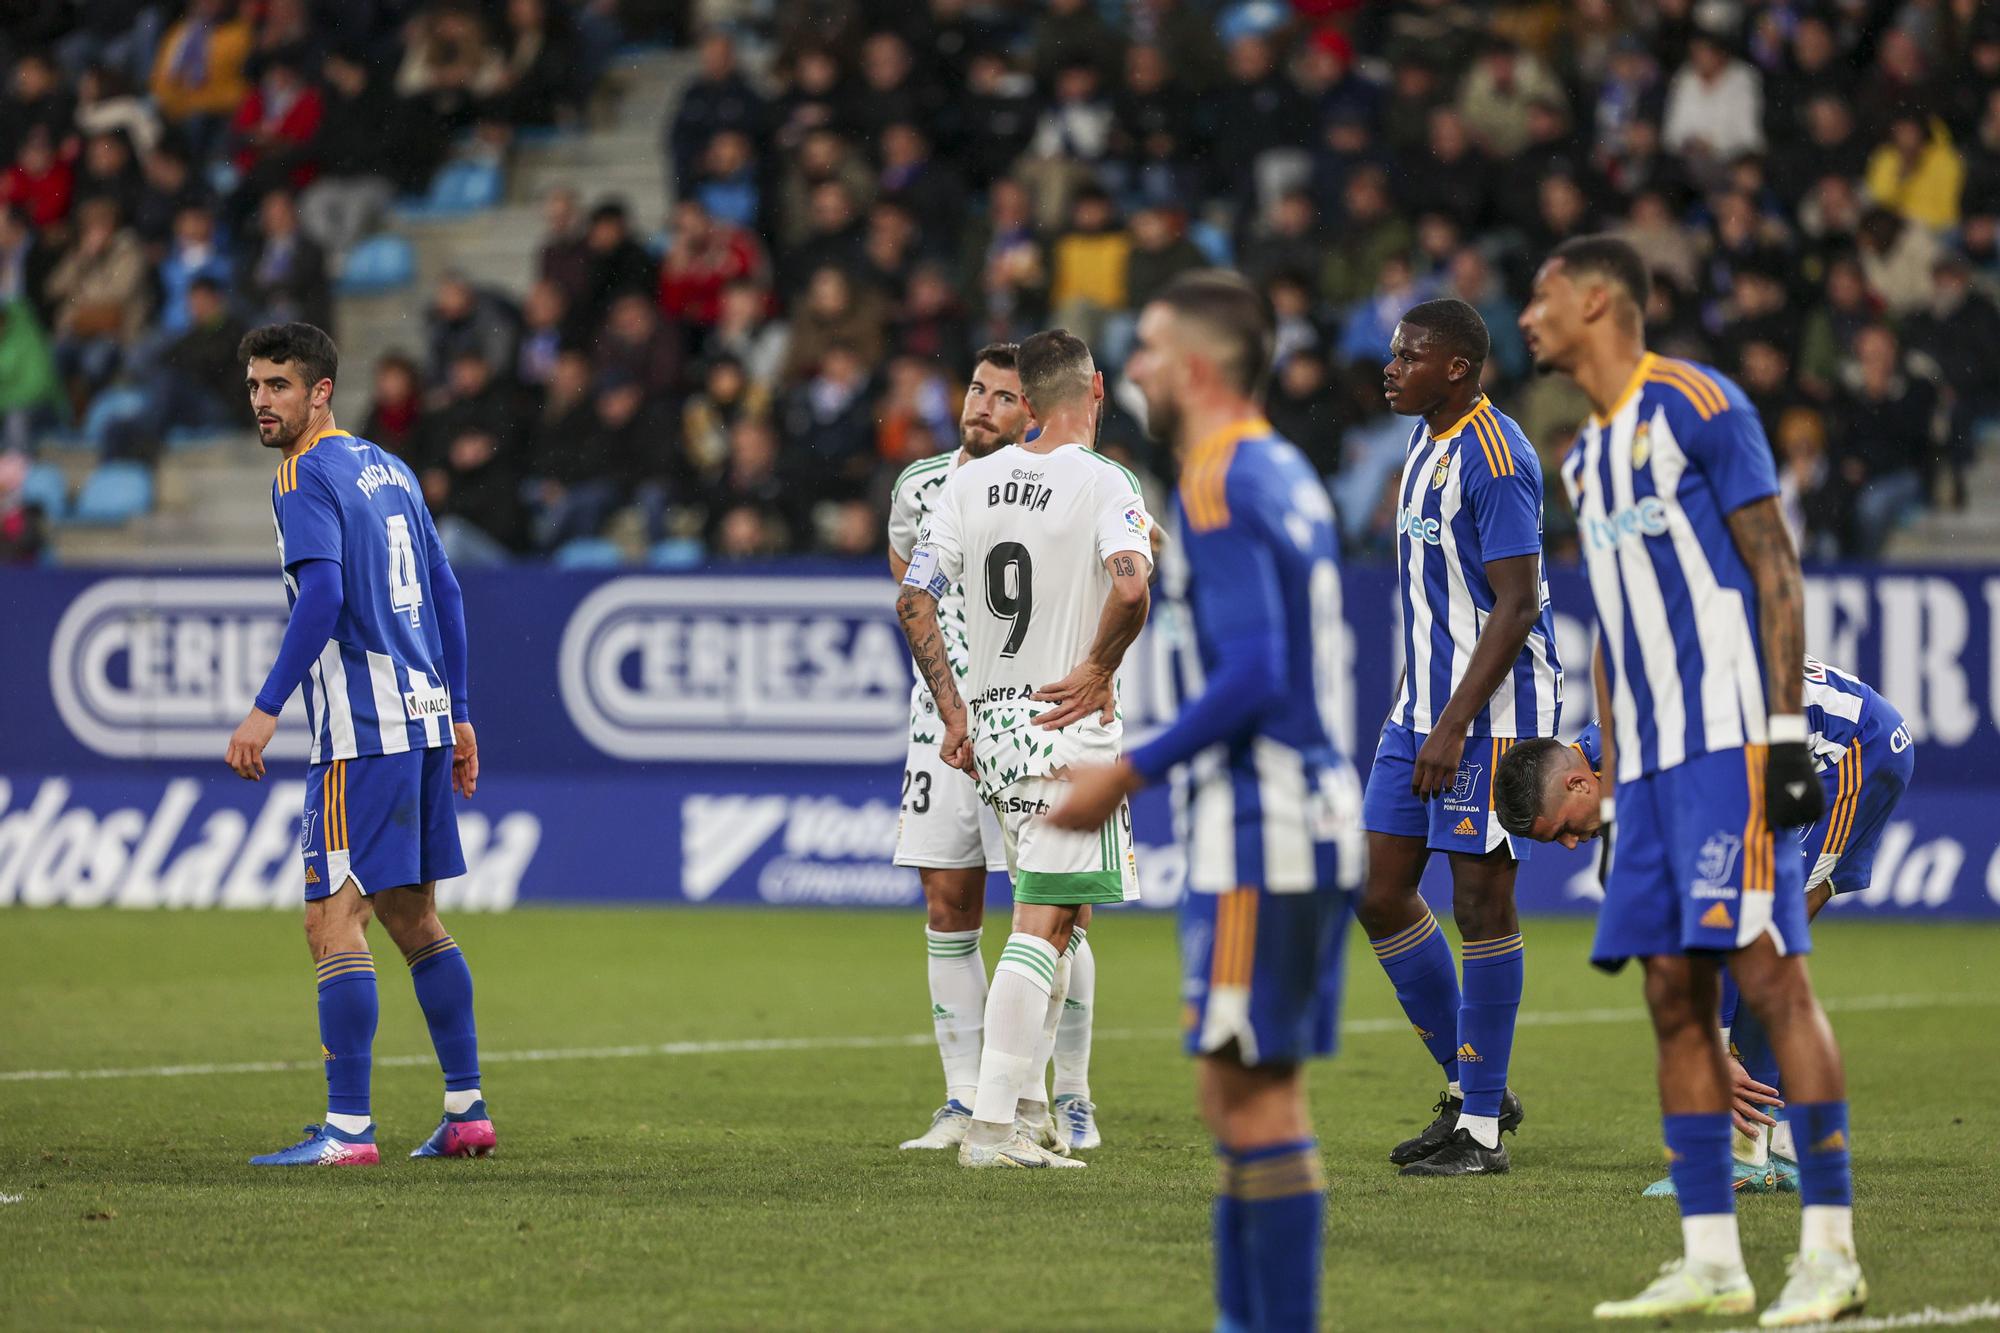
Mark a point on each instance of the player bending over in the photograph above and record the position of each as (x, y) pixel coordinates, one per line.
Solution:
(1272, 808)
(1551, 792)
(1481, 673)
(952, 837)
(377, 641)
(1056, 540)
(1701, 629)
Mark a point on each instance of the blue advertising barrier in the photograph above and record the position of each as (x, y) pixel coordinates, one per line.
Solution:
(737, 737)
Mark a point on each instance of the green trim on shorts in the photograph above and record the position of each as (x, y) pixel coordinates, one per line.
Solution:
(1068, 889)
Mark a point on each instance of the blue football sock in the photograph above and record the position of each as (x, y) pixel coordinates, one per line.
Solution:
(444, 991)
(348, 1009)
(1698, 1160)
(1753, 1048)
(1494, 973)
(1819, 1129)
(1281, 1208)
(1419, 963)
(1232, 1276)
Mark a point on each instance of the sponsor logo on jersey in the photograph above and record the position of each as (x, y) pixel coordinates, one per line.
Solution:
(1419, 529)
(1647, 518)
(166, 668)
(1019, 805)
(737, 669)
(433, 702)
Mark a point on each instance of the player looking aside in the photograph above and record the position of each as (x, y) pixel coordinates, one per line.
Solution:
(1701, 628)
(376, 640)
(1272, 807)
(1481, 672)
(1057, 539)
(950, 836)
(1551, 792)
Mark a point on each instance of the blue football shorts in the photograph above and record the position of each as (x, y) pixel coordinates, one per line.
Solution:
(1862, 791)
(1461, 820)
(385, 821)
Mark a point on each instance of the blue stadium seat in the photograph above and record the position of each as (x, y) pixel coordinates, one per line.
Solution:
(459, 188)
(379, 264)
(119, 490)
(677, 553)
(588, 553)
(1213, 242)
(45, 486)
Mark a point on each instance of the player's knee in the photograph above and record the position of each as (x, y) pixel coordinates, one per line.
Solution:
(1672, 1002)
(1383, 905)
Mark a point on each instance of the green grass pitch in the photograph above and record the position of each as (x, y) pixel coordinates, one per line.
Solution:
(760, 1188)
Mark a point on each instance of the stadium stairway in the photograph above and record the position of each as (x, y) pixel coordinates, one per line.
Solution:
(210, 493)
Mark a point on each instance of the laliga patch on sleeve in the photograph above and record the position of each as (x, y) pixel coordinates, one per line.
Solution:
(924, 573)
(1136, 522)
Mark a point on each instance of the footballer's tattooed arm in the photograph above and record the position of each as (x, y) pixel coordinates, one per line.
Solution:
(917, 610)
(1766, 547)
(1092, 686)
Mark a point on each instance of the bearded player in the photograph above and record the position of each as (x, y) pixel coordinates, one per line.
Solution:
(952, 838)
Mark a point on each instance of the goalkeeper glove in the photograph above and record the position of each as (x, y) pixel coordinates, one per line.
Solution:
(1793, 796)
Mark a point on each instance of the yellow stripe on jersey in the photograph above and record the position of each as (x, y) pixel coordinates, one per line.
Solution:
(1503, 457)
(1204, 490)
(1757, 874)
(1698, 389)
(1703, 382)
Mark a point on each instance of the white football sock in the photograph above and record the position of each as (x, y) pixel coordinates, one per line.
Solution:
(1072, 1072)
(1781, 1142)
(1485, 1129)
(1035, 1092)
(1452, 1089)
(1711, 1242)
(1827, 1226)
(348, 1124)
(1017, 1008)
(1750, 1149)
(958, 1007)
(458, 1103)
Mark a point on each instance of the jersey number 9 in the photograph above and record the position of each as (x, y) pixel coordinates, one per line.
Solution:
(1017, 605)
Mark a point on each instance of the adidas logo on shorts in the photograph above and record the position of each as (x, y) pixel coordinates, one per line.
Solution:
(1466, 828)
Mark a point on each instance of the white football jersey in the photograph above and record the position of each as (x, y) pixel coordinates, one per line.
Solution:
(1026, 535)
(909, 505)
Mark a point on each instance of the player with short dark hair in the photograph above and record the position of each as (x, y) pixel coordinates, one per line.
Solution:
(376, 642)
(1551, 792)
(1271, 805)
(1701, 629)
(1480, 674)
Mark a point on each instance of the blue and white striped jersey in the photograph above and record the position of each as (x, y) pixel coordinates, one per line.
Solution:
(1470, 495)
(1653, 486)
(1260, 671)
(379, 684)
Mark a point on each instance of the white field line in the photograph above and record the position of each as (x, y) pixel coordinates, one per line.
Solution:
(1361, 1027)
(1929, 1317)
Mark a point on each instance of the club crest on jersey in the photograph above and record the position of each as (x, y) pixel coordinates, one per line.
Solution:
(1441, 471)
(1461, 786)
(1717, 859)
(1642, 444)
(306, 830)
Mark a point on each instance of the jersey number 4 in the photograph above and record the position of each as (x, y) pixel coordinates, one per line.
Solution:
(406, 588)
(1009, 564)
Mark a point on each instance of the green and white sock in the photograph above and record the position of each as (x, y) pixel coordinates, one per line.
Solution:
(958, 1007)
(1017, 1008)
(1072, 1059)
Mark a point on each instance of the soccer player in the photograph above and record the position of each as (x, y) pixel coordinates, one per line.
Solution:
(377, 641)
(952, 838)
(1551, 792)
(1055, 538)
(1700, 635)
(1480, 673)
(1272, 807)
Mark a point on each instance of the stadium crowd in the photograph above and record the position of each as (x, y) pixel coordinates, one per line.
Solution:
(868, 190)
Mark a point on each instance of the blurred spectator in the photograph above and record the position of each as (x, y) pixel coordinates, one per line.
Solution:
(23, 526)
(828, 420)
(1289, 241)
(998, 114)
(109, 172)
(1960, 332)
(537, 81)
(1161, 252)
(1370, 232)
(1828, 337)
(1013, 269)
(1667, 246)
(894, 90)
(729, 186)
(1897, 258)
(1259, 114)
(1088, 265)
(396, 413)
(195, 253)
(888, 249)
(833, 315)
(283, 275)
(475, 494)
(563, 258)
(170, 187)
(36, 100)
(919, 409)
(559, 439)
(747, 332)
(1815, 503)
(100, 289)
(931, 325)
(545, 332)
(356, 178)
(198, 72)
(614, 264)
(463, 318)
(934, 196)
(718, 99)
(39, 181)
(31, 396)
(705, 255)
(1829, 146)
(751, 479)
(1715, 107)
(273, 131)
(450, 66)
(25, 264)
(577, 479)
(1071, 138)
(824, 158)
(634, 345)
(1472, 280)
(1499, 90)
(1069, 31)
(1454, 177)
(1890, 437)
(727, 395)
(1917, 173)
(834, 238)
(195, 382)
(1154, 141)
(1364, 339)
(1304, 406)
